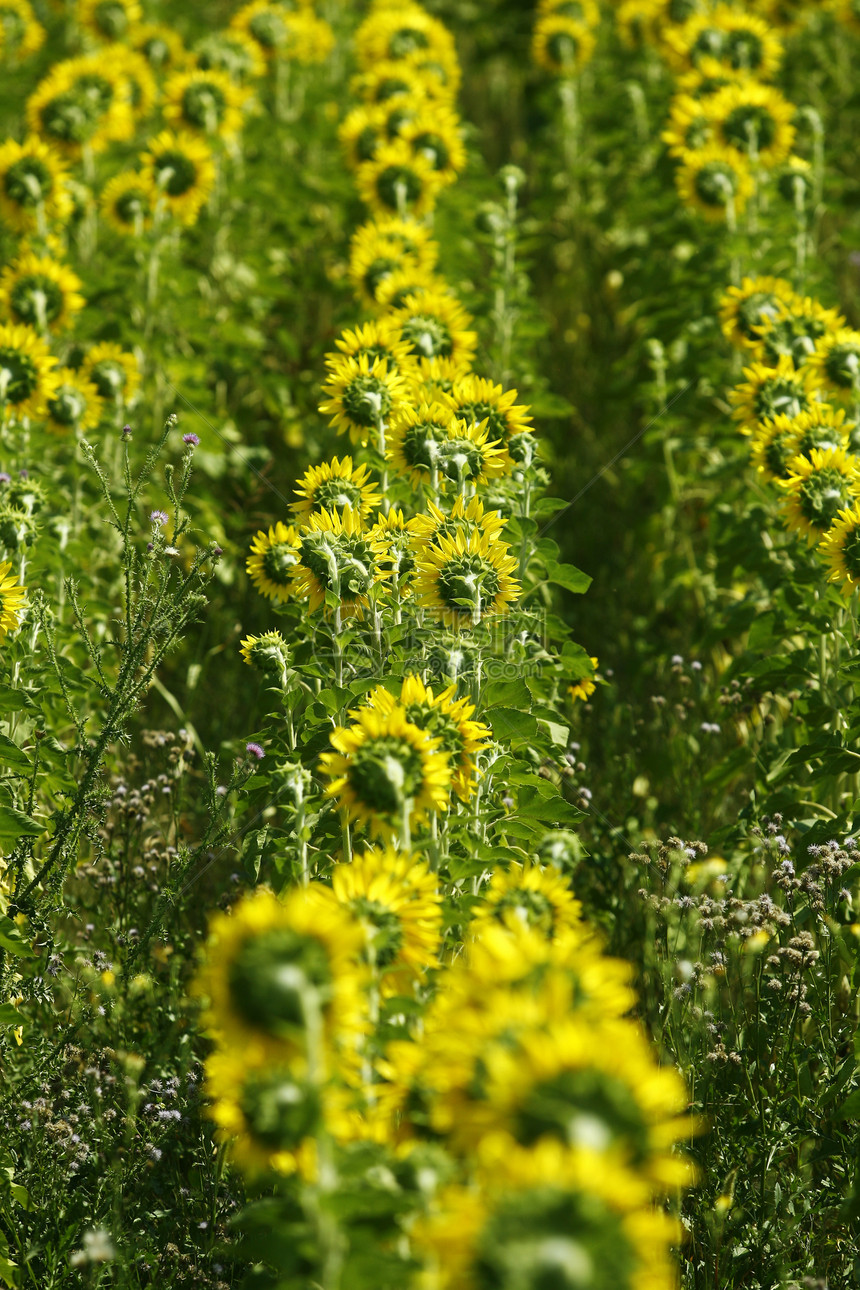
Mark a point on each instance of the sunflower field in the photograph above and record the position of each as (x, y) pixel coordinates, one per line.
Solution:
(430, 526)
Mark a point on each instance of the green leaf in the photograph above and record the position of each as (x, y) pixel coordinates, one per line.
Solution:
(508, 724)
(567, 576)
(13, 756)
(15, 824)
(12, 941)
(10, 1016)
(506, 694)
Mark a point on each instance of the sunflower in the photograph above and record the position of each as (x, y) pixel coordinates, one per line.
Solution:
(266, 1110)
(773, 391)
(37, 290)
(395, 289)
(337, 557)
(142, 85)
(20, 34)
(362, 132)
(796, 328)
(400, 32)
(182, 169)
(27, 372)
(714, 180)
(395, 550)
(381, 247)
(109, 20)
(444, 717)
(281, 31)
(586, 12)
(394, 898)
(398, 180)
(385, 773)
(689, 127)
(128, 202)
(12, 601)
(75, 404)
(745, 308)
(379, 339)
(794, 181)
(467, 579)
(538, 898)
(82, 103)
(392, 79)
(33, 183)
(434, 133)
(436, 326)
(205, 101)
(774, 446)
(334, 485)
(465, 519)
(438, 376)
(585, 687)
(415, 435)
(272, 562)
(562, 45)
(840, 548)
(837, 363)
(113, 371)
(818, 487)
(725, 39)
(274, 968)
(268, 654)
(160, 45)
(755, 119)
(232, 52)
(361, 394)
(476, 401)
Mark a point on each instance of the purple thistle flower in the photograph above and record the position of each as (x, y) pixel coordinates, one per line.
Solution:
(255, 750)
(193, 439)
(4, 478)
(159, 517)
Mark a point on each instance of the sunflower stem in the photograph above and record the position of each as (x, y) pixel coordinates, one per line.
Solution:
(406, 827)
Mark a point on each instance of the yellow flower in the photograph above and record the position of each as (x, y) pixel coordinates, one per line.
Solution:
(414, 435)
(182, 169)
(688, 127)
(584, 688)
(435, 448)
(782, 390)
(780, 440)
(362, 132)
(837, 363)
(463, 520)
(207, 102)
(160, 45)
(401, 79)
(394, 898)
(128, 202)
(12, 600)
(434, 133)
(82, 103)
(401, 31)
(334, 485)
(537, 898)
(361, 395)
(266, 1108)
(796, 328)
(338, 557)
(562, 45)
(818, 487)
(383, 246)
(378, 339)
(142, 86)
(715, 181)
(395, 552)
(27, 372)
(398, 180)
(386, 773)
(467, 579)
(268, 653)
(444, 717)
(436, 326)
(745, 308)
(396, 288)
(284, 32)
(437, 376)
(477, 401)
(840, 548)
(109, 20)
(753, 118)
(725, 39)
(33, 185)
(20, 34)
(274, 968)
(113, 372)
(37, 290)
(272, 562)
(75, 404)
(586, 12)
